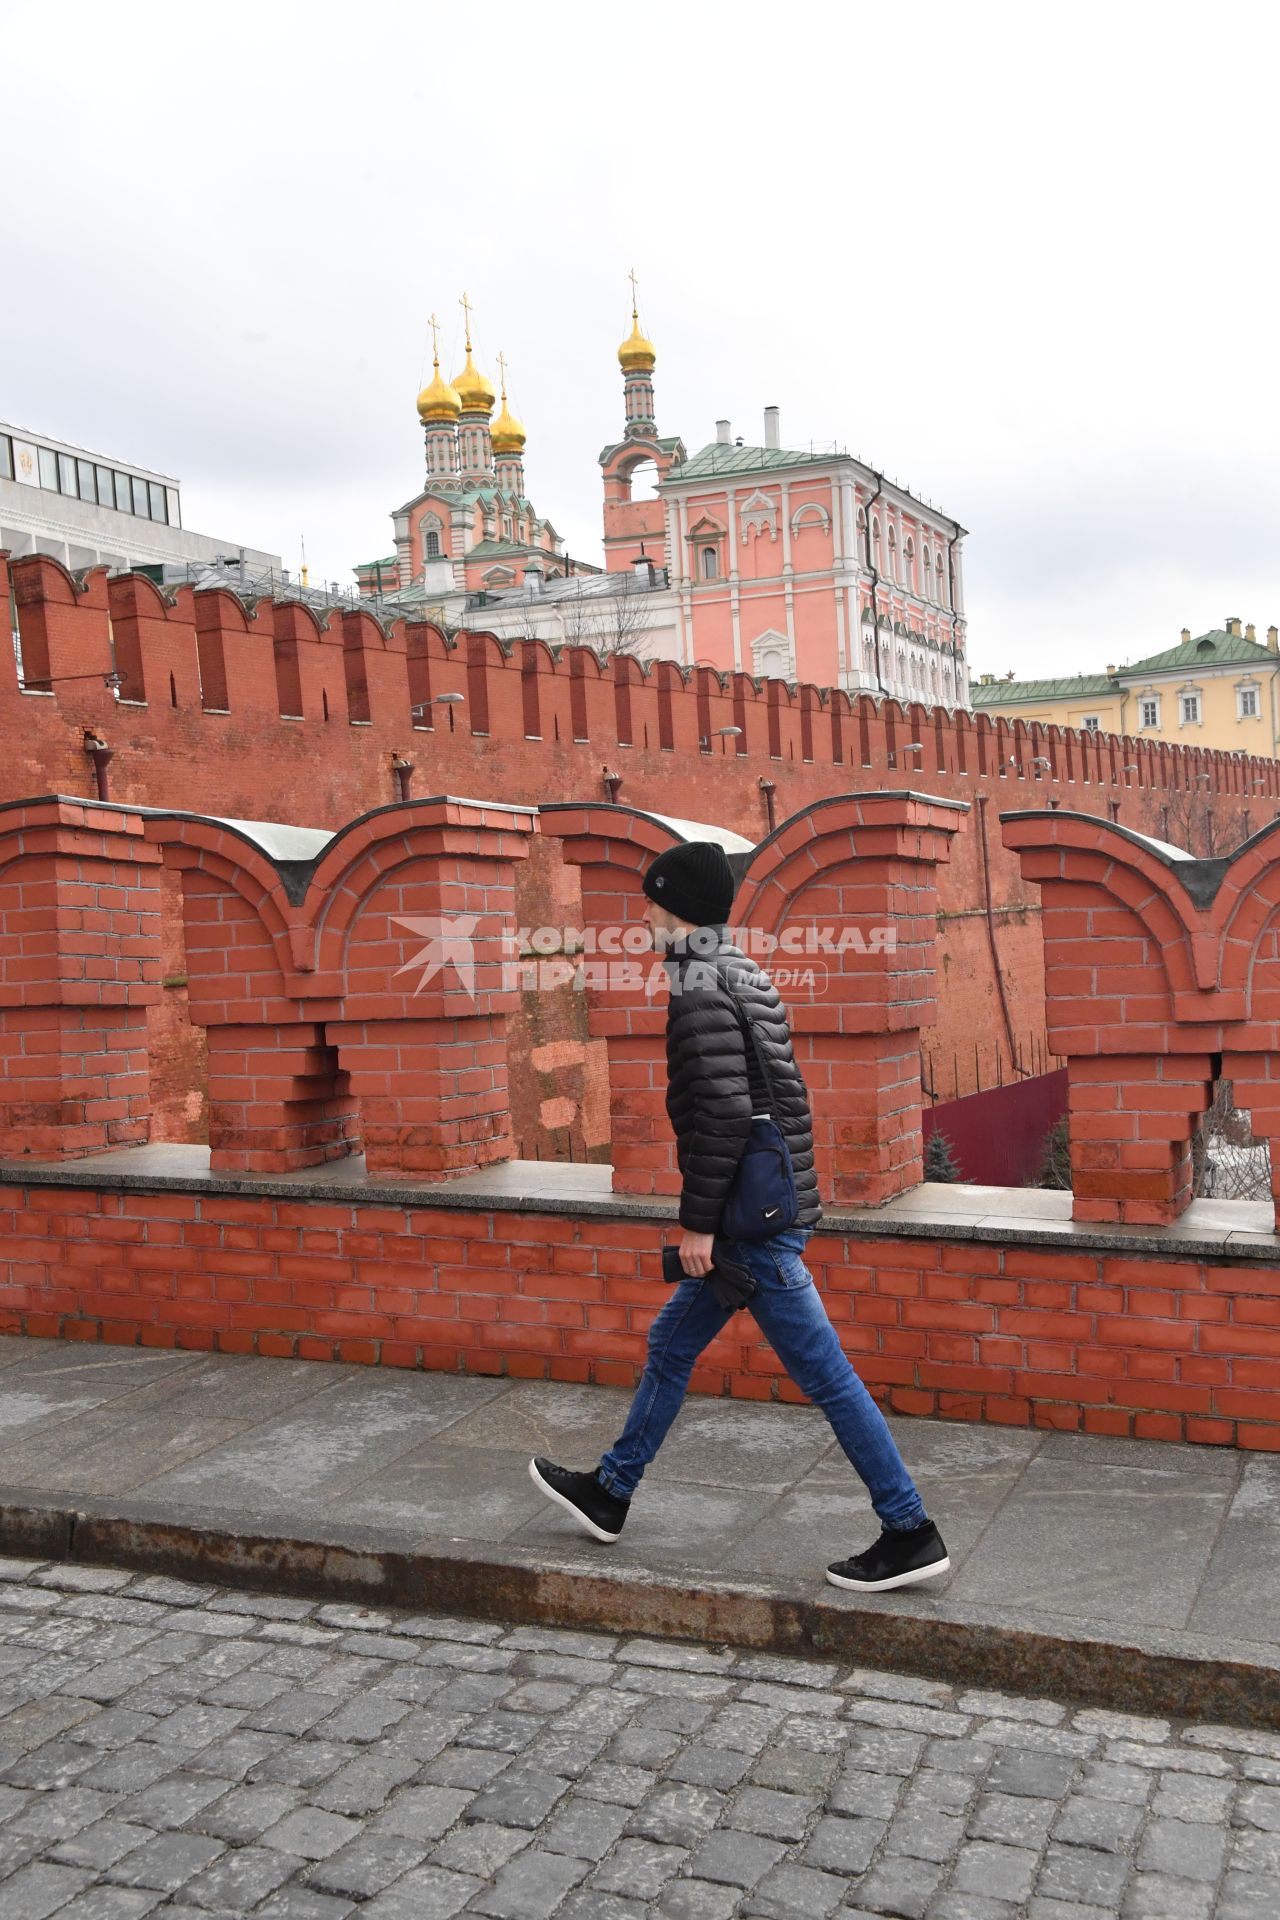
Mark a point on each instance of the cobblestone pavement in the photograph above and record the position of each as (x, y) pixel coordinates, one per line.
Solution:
(173, 1749)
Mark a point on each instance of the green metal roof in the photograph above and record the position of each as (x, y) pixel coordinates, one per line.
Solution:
(1001, 693)
(717, 458)
(1213, 649)
(669, 443)
(368, 566)
(492, 549)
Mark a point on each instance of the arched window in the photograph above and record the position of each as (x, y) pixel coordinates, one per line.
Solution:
(640, 482)
(942, 584)
(909, 555)
(432, 548)
(875, 546)
(710, 564)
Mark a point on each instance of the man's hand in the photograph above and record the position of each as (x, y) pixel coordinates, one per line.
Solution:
(695, 1254)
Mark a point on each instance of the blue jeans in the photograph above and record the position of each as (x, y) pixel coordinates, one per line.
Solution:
(790, 1314)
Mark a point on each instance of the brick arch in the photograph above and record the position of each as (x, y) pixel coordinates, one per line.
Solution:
(1246, 903)
(618, 836)
(800, 851)
(1082, 848)
(193, 844)
(377, 847)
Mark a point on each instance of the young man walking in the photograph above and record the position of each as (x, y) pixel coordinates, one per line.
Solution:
(729, 1063)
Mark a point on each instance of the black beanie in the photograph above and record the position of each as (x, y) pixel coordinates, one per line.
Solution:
(693, 881)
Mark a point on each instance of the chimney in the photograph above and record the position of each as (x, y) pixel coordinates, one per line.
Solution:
(533, 575)
(1251, 633)
(1186, 636)
(1233, 625)
(1273, 639)
(642, 569)
(722, 432)
(771, 433)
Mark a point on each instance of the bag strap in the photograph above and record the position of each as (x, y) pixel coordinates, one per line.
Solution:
(753, 1041)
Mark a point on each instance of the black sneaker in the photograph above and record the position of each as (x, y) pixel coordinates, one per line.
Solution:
(598, 1513)
(896, 1560)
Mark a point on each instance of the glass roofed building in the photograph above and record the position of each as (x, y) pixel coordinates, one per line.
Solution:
(90, 510)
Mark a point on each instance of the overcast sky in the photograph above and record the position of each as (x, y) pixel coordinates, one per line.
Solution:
(1021, 258)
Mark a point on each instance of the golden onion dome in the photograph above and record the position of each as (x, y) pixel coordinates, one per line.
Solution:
(507, 434)
(439, 401)
(473, 390)
(636, 354)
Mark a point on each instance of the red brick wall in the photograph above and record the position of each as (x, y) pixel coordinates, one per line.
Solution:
(1161, 1347)
(1156, 989)
(79, 913)
(185, 661)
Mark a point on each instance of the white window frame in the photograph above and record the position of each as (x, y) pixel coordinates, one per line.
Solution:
(1091, 723)
(1186, 719)
(1248, 693)
(1148, 700)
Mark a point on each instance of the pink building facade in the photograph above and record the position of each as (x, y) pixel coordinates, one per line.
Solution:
(788, 564)
(791, 564)
(802, 565)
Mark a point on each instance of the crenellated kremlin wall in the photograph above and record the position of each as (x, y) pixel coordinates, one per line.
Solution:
(345, 1207)
(271, 712)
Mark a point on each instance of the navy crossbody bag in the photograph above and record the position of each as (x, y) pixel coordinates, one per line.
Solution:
(762, 1200)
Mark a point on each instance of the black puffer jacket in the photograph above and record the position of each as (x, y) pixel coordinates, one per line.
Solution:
(714, 1084)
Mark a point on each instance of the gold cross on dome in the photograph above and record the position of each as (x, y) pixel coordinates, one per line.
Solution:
(434, 325)
(465, 304)
(635, 298)
(502, 363)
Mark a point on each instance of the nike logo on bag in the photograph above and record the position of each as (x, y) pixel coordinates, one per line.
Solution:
(770, 1211)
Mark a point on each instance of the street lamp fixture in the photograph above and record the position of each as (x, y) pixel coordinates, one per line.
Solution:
(728, 733)
(449, 700)
(113, 680)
